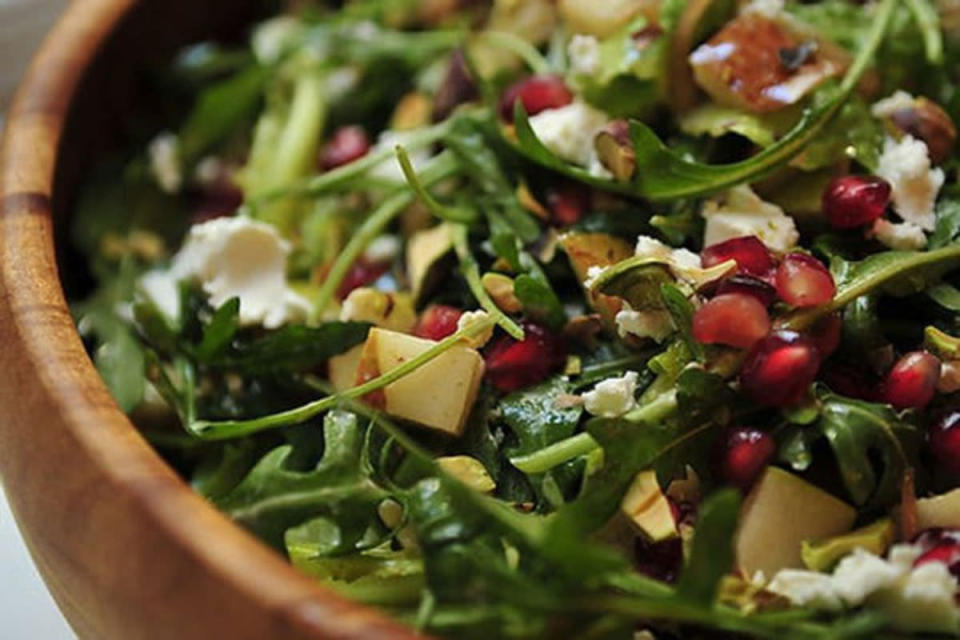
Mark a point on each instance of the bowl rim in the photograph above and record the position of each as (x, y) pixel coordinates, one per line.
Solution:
(48, 370)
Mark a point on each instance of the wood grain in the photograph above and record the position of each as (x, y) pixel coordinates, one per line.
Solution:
(126, 548)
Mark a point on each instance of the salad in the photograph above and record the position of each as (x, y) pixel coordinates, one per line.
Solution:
(558, 319)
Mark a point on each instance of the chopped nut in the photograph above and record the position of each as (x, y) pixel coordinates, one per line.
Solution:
(500, 288)
(927, 121)
(413, 111)
(615, 150)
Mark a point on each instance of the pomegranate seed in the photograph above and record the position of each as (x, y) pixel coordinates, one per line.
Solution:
(659, 560)
(344, 146)
(945, 442)
(733, 319)
(936, 537)
(803, 281)
(513, 364)
(752, 256)
(826, 334)
(853, 201)
(746, 453)
(779, 369)
(437, 322)
(850, 381)
(361, 274)
(946, 554)
(912, 381)
(748, 285)
(537, 93)
(568, 203)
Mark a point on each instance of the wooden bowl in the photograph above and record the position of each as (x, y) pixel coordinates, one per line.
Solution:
(126, 548)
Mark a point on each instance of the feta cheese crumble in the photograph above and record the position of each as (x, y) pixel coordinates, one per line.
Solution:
(905, 164)
(471, 318)
(272, 38)
(612, 397)
(390, 168)
(569, 132)
(740, 212)
(584, 54)
(231, 257)
(164, 155)
(684, 264)
(656, 323)
(891, 104)
(903, 236)
(915, 598)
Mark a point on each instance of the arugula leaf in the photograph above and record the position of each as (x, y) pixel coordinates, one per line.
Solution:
(218, 334)
(272, 498)
(711, 556)
(539, 300)
(663, 174)
(945, 295)
(948, 224)
(532, 415)
(855, 429)
(120, 361)
(291, 348)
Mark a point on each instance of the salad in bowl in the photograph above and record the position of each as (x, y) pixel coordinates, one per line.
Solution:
(555, 318)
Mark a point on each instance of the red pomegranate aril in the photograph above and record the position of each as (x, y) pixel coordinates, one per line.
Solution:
(803, 281)
(733, 319)
(361, 274)
(536, 93)
(936, 537)
(853, 201)
(513, 364)
(826, 334)
(344, 146)
(746, 453)
(945, 442)
(568, 203)
(779, 369)
(659, 560)
(751, 286)
(946, 554)
(752, 256)
(912, 381)
(437, 322)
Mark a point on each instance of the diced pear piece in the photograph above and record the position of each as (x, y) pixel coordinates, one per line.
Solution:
(600, 18)
(648, 509)
(342, 369)
(822, 555)
(939, 511)
(469, 471)
(779, 513)
(424, 249)
(438, 395)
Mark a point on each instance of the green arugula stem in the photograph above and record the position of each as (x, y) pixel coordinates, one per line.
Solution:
(471, 272)
(443, 212)
(860, 286)
(583, 443)
(335, 178)
(230, 429)
(928, 21)
(441, 167)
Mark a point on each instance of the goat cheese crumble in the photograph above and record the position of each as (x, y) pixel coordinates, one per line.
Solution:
(612, 397)
(164, 155)
(905, 164)
(584, 54)
(232, 257)
(655, 323)
(569, 131)
(903, 236)
(740, 212)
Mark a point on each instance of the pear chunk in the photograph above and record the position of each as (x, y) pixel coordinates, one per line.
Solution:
(779, 513)
(648, 509)
(438, 395)
(939, 511)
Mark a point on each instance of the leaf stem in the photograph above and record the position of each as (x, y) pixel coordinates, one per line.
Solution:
(471, 272)
(230, 429)
(441, 167)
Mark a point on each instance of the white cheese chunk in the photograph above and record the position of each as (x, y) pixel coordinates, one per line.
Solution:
(766, 8)
(740, 212)
(232, 257)
(656, 324)
(862, 573)
(891, 104)
(472, 318)
(569, 131)
(164, 155)
(383, 249)
(272, 38)
(903, 236)
(584, 54)
(905, 164)
(684, 264)
(806, 589)
(612, 397)
(923, 601)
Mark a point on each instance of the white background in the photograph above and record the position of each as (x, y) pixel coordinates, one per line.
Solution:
(27, 611)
